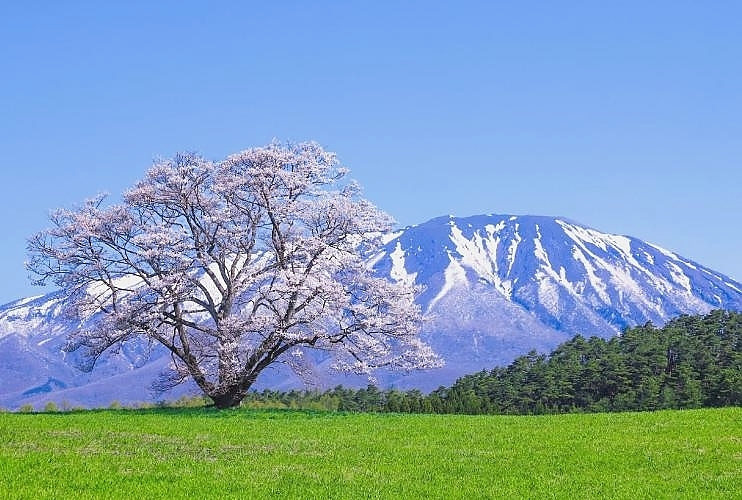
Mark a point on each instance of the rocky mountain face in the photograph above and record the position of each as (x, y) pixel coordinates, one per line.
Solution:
(493, 287)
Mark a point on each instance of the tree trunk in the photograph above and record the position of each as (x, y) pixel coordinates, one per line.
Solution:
(229, 397)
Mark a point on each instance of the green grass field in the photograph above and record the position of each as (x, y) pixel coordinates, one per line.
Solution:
(203, 453)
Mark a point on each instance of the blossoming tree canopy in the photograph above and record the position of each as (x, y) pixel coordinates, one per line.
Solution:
(232, 266)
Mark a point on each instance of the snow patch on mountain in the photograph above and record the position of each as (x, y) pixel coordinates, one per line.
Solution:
(453, 275)
(398, 272)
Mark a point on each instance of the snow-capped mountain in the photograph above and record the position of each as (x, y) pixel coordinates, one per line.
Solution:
(497, 286)
(494, 287)
(570, 277)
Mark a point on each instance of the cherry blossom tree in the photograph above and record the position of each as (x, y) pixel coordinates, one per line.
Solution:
(233, 266)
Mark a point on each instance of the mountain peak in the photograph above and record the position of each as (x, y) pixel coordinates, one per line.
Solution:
(559, 270)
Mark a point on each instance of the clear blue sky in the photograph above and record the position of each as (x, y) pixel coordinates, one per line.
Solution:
(625, 116)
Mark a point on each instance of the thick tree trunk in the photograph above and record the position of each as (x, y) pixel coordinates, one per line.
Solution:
(229, 397)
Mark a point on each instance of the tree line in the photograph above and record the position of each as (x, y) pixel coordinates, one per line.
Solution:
(690, 362)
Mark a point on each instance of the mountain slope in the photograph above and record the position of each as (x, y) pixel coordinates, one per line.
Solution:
(571, 277)
(497, 286)
(494, 287)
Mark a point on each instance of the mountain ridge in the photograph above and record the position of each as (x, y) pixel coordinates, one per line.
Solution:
(623, 260)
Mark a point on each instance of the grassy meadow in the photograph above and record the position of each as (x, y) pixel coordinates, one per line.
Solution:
(205, 453)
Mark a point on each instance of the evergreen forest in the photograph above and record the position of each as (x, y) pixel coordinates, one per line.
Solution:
(690, 362)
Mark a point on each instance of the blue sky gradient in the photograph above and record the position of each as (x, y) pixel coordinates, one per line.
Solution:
(625, 116)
